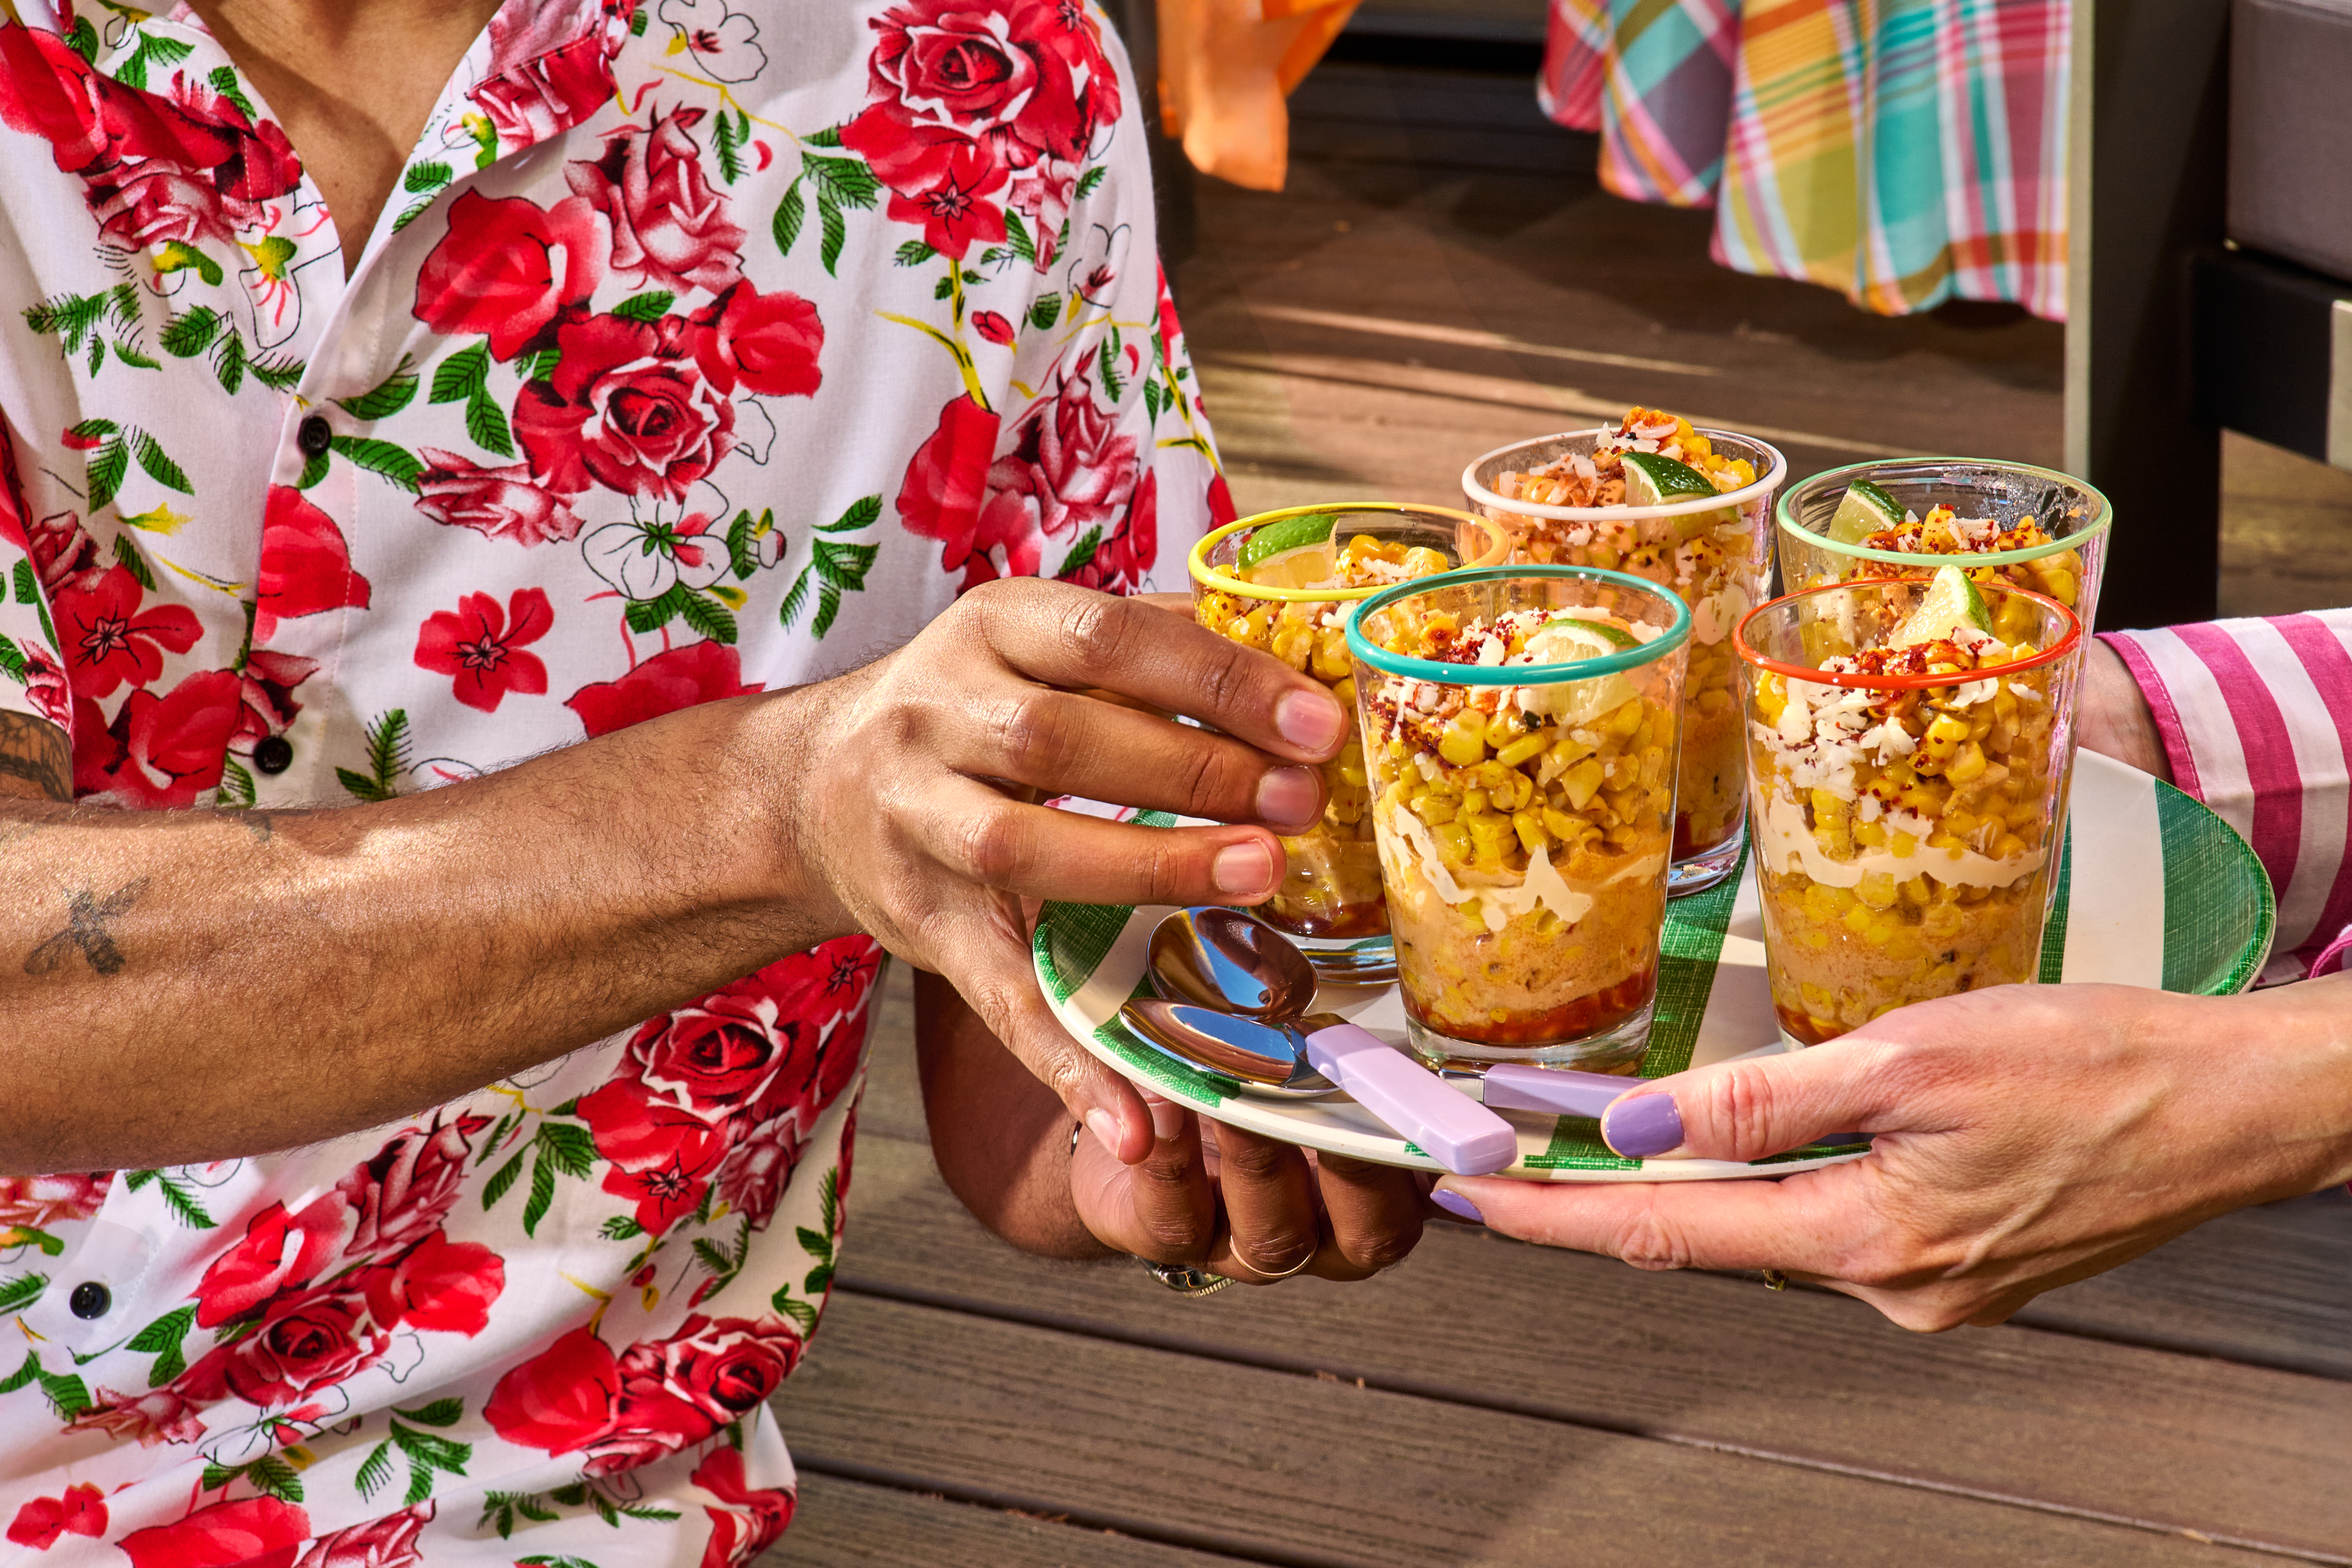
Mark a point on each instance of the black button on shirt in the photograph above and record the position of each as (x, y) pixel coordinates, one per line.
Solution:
(273, 754)
(314, 437)
(89, 1300)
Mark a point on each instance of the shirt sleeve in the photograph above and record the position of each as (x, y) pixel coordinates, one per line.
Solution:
(2256, 720)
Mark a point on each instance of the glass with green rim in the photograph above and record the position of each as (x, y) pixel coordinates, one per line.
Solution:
(2069, 567)
(1906, 810)
(1716, 553)
(1523, 811)
(1291, 604)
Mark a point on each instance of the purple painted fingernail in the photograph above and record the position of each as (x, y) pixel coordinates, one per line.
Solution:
(1457, 1206)
(1642, 1127)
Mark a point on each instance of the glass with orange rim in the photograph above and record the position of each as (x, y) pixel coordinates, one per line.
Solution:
(1294, 605)
(1906, 803)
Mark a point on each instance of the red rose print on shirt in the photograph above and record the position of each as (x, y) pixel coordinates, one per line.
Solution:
(653, 1400)
(251, 1532)
(80, 1512)
(1120, 561)
(1067, 470)
(269, 681)
(482, 647)
(991, 325)
(507, 267)
(387, 1543)
(545, 76)
(627, 409)
(401, 1196)
(946, 481)
(36, 1203)
(682, 677)
(277, 1252)
(160, 753)
(498, 503)
(186, 167)
(670, 229)
(63, 553)
(438, 1284)
(942, 180)
(310, 1341)
(159, 1415)
(306, 567)
(109, 641)
(1023, 83)
(766, 343)
(752, 1518)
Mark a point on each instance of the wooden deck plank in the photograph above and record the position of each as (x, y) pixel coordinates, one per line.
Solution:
(2192, 1442)
(844, 1524)
(1261, 1465)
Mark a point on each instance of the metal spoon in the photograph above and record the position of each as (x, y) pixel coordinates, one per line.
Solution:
(1236, 989)
(1224, 960)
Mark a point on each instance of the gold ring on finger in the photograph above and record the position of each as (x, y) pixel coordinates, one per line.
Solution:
(1266, 1277)
(1775, 1281)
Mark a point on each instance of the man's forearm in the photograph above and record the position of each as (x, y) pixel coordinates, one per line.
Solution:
(186, 985)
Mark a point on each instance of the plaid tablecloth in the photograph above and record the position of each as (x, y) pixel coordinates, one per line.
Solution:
(1902, 151)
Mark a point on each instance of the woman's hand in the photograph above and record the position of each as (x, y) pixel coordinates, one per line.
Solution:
(1250, 1208)
(913, 816)
(2026, 1137)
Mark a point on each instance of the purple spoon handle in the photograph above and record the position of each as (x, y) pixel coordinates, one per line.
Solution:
(1560, 1092)
(1455, 1130)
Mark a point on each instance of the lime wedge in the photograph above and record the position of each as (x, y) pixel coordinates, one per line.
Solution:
(1288, 534)
(1864, 510)
(1952, 603)
(1652, 479)
(1567, 638)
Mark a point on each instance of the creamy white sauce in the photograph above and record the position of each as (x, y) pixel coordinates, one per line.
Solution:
(1408, 840)
(1787, 845)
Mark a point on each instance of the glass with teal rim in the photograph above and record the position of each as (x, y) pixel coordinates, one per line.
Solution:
(1282, 582)
(1520, 728)
(2005, 524)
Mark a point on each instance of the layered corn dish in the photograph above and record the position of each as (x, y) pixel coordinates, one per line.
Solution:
(1904, 838)
(1524, 830)
(1943, 531)
(1331, 877)
(1717, 559)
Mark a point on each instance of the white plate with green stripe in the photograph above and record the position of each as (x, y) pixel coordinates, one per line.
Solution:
(2154, 890)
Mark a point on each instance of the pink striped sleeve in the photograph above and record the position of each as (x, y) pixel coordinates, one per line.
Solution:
(2256, 719)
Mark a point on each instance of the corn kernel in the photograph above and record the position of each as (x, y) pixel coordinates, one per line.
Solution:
(1464, 744)
(1529, 826)
(1626, 719)
(1526, 748)
(1581, 782)
(1876, 890)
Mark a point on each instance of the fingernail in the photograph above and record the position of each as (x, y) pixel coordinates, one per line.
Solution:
(1289, 797)
(1642, 1127)
(1242, 870)
(1104, 1127)
(1457, 1206)
(1310, 720)
(1167, 1117)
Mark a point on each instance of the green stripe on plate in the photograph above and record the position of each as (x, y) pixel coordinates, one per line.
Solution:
(1688, 949)
(2053, 935)
(1576, 1144)
(2218, 904)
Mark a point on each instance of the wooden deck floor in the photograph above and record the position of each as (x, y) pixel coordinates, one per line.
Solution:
(1441, 278)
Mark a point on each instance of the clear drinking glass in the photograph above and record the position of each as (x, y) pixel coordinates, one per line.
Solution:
(2063, 521)
(1715, 551)
(1519, 726)
(1906, 803)
(1292, 605)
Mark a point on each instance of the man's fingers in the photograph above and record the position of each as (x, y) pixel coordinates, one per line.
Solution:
(1273, 1224)
(1069, 637)
(1161, 1206)
(1374, 1213)
(1069, 744)
(1757, 1106)
(982, 837)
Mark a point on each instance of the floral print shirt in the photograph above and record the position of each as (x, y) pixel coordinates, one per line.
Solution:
(706, 347)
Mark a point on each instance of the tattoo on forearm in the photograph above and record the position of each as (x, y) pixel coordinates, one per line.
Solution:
(89, 915)
(38, 751)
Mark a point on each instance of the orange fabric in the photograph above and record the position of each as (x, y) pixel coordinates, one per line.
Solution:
(1225, 66)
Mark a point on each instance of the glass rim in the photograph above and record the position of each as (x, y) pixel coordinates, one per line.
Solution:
(1197, 565)
(1784, 514)
(1857, 680)
(1480, 495)
(1448, 674)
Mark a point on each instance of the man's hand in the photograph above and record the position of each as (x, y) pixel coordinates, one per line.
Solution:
(2026, 1137)
(1250, 1208)
(914, 818)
